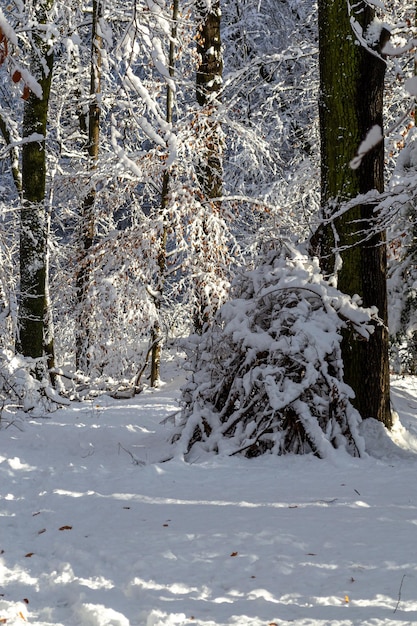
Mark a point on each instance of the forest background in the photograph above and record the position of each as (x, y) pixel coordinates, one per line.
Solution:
(154, 152)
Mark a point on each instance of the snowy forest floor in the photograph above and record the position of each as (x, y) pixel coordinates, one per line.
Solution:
(89, 538)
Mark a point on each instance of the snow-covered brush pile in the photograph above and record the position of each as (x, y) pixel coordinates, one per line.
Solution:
(21, 391)
(268, 375)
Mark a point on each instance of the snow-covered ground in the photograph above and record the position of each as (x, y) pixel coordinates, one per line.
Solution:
(88, 537)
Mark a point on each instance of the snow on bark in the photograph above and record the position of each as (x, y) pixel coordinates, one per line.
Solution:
(372, 139)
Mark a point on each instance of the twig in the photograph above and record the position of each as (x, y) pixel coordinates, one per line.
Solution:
(399, 593)
(170, 418)
(130, 392)
(139, 374)
(134, 459)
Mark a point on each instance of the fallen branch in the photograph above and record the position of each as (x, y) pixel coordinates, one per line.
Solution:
(399, 593)
(135, 461)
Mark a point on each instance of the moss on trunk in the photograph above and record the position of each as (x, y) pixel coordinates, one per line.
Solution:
(33, 233)
(351, 102)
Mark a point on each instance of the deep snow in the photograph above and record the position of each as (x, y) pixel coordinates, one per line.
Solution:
(89, 537)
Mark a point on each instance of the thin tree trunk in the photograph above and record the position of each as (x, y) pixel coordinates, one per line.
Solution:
(88, 226)
(14, 156)
(156, 329)
(351, 101)
(210, 166)
(208, 84)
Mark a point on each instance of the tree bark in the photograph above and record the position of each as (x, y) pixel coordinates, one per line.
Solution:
(156, 335)
(208, 85)
(351, 102)
(88, 222)
(33, 218)
(210, 167)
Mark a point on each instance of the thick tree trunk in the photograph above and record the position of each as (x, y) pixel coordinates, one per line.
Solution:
(33, 232)
(351, 101)
(88, 225)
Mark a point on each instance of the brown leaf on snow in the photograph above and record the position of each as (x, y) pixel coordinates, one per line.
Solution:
(65, 528)
(234, 554)
(29, 554)
(43, 530)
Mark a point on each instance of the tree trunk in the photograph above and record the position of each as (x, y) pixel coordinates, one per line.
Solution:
(88, 227)
(351, 101)
(208, 84)
(210, 167)
(156, 335)
(33, 231)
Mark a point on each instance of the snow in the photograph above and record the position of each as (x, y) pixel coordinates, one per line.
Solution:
(410, 85)
(89, 537)
(376, 3)
(7, 30)
(372, 139)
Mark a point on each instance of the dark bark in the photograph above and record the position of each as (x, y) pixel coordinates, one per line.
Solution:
(351, 102)
(210, 167)
(156, 335)
(88, 222)
(33, 232)
(208, 85)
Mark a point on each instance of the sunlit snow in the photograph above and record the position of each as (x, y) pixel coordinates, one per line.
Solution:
(89, 538)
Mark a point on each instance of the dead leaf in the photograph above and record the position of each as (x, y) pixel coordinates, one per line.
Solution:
(165, 525)
(37, 513)
(26, 93)
(16, 76)
(293, 506)
(43, 530)
(311, 554)
(29, 554)
(234, 554)
(65, 528)
(3, 620)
